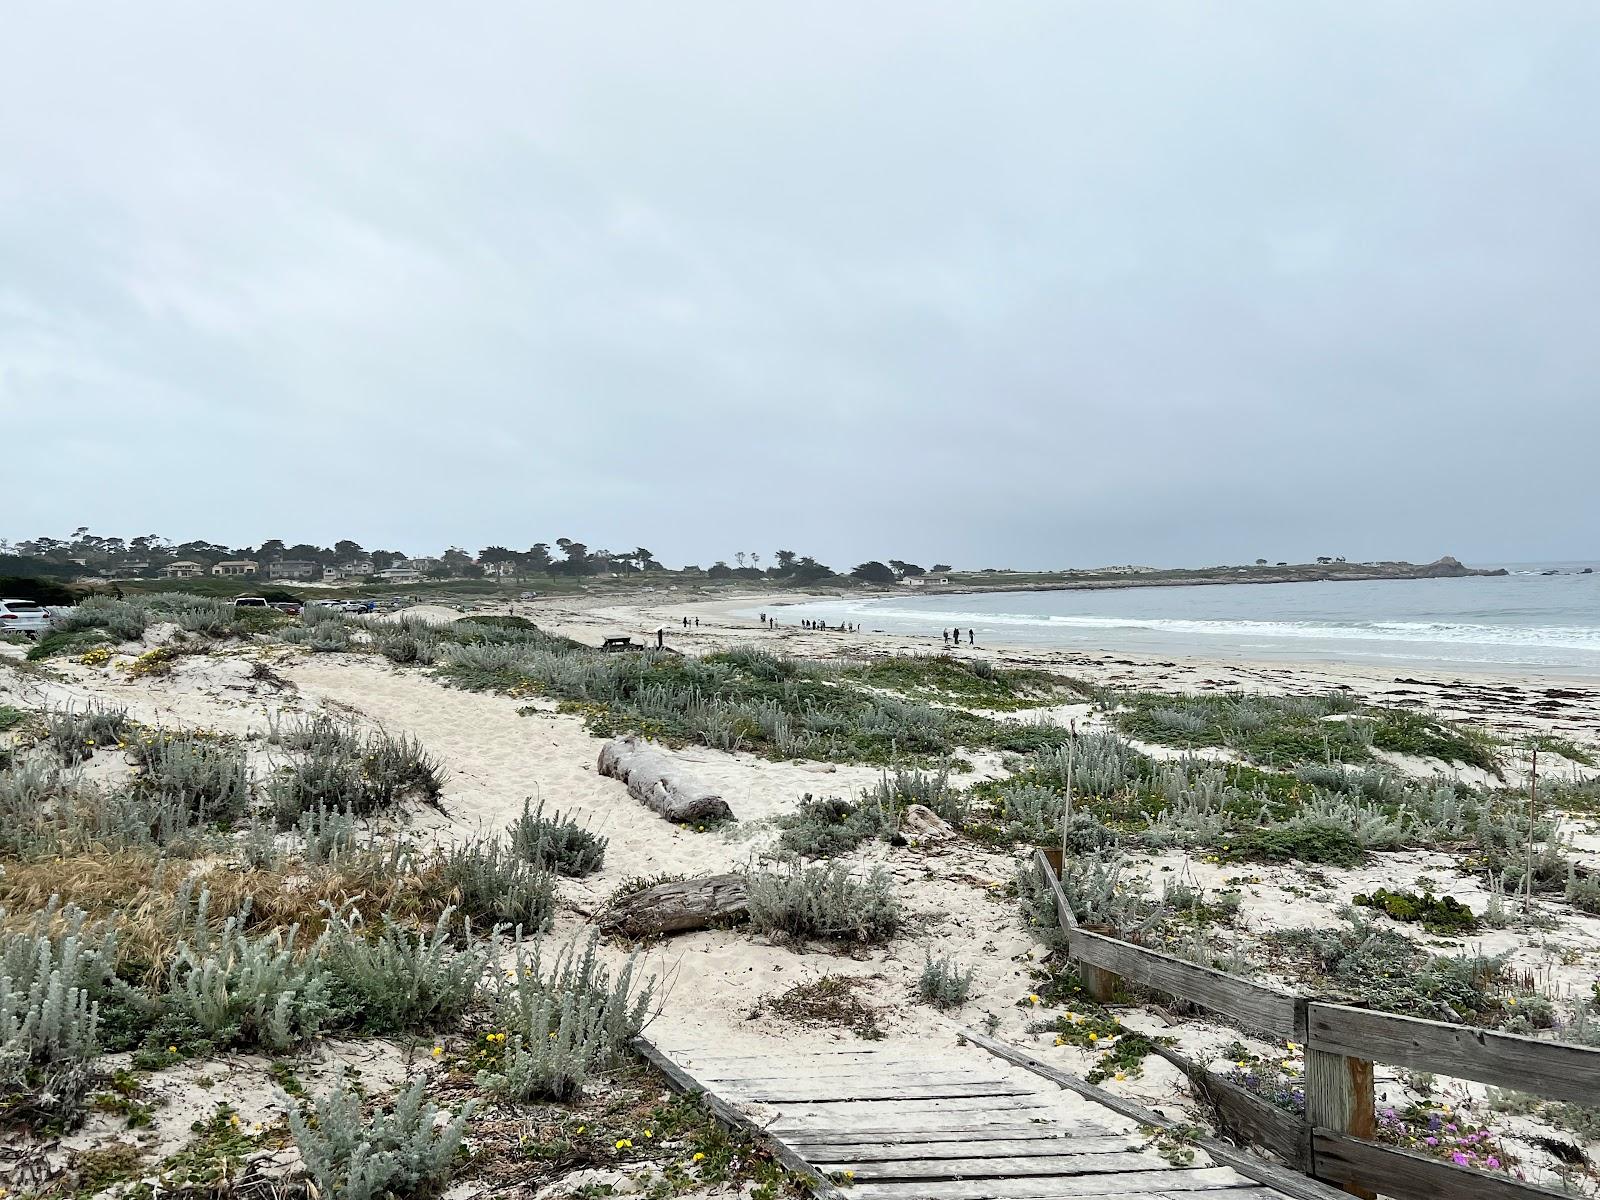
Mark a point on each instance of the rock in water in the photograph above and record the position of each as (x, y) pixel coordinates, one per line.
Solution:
(653, 778)
(683, 904)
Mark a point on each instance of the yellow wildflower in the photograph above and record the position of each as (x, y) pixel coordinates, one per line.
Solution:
(697, 1157)
(624, 1144)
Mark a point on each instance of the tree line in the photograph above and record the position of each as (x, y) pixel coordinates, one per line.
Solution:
(85, 550)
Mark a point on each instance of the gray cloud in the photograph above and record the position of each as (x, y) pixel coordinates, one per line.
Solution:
(992, 283)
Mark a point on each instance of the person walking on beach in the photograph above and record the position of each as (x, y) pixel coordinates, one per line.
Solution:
(945, 633)
(972, 639)
(661, 637)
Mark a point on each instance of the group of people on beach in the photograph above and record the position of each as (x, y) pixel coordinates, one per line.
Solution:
(954, 635)
(814, 626)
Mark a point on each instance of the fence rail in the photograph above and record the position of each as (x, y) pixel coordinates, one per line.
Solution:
(1333, 1140)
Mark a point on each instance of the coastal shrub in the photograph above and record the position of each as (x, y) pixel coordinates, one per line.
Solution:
(490, 883)
(203, 774)
(320, 634)
(404, 1151)
(1100, 892)
(1302, 839)
(823, 826)
(556, 843)
(943, 983)
(339, 766)
(238, 990)
(54, 974)
(566, 1024)
(825, 902)
(739, 699)
(327, 834)
(405, 644)
(121, 619)
(977, 682)
(1388, 971)
(76, 733)
(1036, 904)
(400, 979)
(1446, 917)
(212, 618)
(897, 791)
(1583, 890)
(1406, 731)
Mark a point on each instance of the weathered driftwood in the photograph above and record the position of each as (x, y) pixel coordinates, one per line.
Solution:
(711, 900)
(653, 778)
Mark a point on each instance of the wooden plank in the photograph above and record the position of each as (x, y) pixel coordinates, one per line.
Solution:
(1559, 1070)
(914, 1191)
(800, 1093)
(922, 1191)
(850, 1110)
(1340, 1096)
(1282, 1179)
(732, 1118)
(1244, 1116)
(1168, 1180)
(1254, 1005)
(1063, 1165)
(1044, 1133)
(1064, 916)
(876, 1077)
(877, 1151)
(1406, 1175)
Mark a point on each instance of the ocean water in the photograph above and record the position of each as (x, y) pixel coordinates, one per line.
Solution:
(1526, 623)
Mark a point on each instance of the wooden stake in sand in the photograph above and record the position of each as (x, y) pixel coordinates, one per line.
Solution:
(1533, 801)
(1066, 806)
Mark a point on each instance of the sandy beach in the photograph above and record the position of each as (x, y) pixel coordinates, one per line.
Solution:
(500, 752)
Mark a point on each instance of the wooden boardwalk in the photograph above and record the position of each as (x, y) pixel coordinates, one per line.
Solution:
(887, 1124)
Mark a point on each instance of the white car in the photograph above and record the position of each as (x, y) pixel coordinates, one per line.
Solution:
(23, 616)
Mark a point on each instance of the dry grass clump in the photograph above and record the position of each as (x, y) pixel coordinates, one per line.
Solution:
(828, 1002)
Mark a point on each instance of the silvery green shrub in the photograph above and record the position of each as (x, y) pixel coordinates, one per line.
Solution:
(565, 1024)
(401, 1152)
(560, 844)
(402, 979)
(247, 991)
(826, 901)
(75, 734)
(489, 883)
(205, 775)
(943, 983)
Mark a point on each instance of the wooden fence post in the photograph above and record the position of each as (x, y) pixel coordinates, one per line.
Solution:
(1339, 1097)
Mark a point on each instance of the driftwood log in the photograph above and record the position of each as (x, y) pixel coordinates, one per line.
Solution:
(655, 780)
(704, 903)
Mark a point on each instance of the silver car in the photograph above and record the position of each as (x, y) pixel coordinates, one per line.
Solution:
(23, 616)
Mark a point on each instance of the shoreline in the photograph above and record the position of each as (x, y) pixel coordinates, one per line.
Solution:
(1515, 704)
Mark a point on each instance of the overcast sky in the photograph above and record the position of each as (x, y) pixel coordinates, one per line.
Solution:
(988, 283)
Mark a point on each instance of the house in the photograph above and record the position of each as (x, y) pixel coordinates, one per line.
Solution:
(236, 567)
(293, 568)
(356, 568)
(500, 570)
(422, 565)
(183, 569)
(399, 575)
(128, 570)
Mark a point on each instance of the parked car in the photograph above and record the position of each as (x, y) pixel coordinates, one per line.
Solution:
(23, 616)
(251, 602)
(292, 607)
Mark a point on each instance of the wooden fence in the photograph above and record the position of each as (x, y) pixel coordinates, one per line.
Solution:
(1334, 1140)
